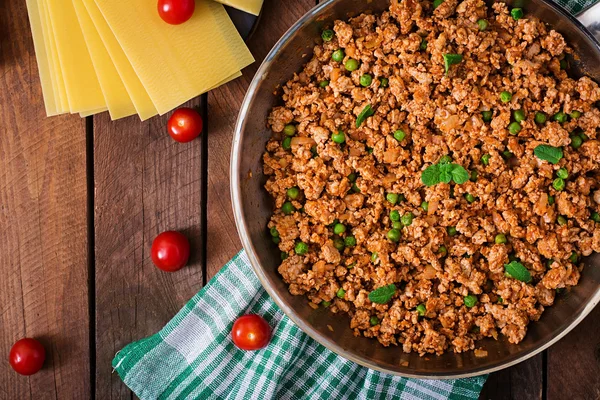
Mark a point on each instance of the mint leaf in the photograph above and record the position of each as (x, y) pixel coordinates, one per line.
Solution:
(364, 114)
(548, 153)
(383, 294)
(446, 173)
(459, 174)
(516, 270)
(451, 59)
(431, 175)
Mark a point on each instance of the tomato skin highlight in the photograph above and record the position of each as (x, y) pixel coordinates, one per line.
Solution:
(176, 12)
(170, 251)
(251, 332)
(185, 125)
(27, 356)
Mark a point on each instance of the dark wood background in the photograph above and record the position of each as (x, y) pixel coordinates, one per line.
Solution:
(82, 199)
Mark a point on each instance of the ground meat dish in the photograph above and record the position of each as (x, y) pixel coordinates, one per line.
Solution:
(478, 89)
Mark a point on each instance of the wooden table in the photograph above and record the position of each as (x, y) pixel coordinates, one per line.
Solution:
(82, 199)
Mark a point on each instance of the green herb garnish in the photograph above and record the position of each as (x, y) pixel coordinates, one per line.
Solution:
(451, 59)
(516, 270)
(446, 173)
(364, 114)
(383, 294)
(548, 153)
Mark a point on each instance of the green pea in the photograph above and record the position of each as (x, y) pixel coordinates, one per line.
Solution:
(562, 173)
(350, 241)
(399, 135)
(369, 150)
(540, 117)
(284, 256)
(560, 117)
(338, 243)
(384, 82)
(443, 250)
(338, 55)
(374, 257)
(397, 225)
(338, 229)
(351, 65)
(575, 114)
(486, 116)
(562, 221)
(483, 24)
(507, 155)
(273, 232)
(276, 240)
(550, 200)
(327, 35)
(584, 137)
(576, 141)
(425, 206)
(469, 197)
(352, 177)
(289, 130)
(392, 198)
(355, 188)
(519, 115)
(505, 96)
(470, 300)
(574, 257)
(514, 128)
(288, 208)
(451, 230)
(395, 215)
(374, 321)
(485, 159)
(500, 300)
(324, 84)
(338, 137)
(500, 238)
(407, 219)
(423, 45)
(564, 64)
(366, 80)
(474, 175)
(516, 13)
(393, 235)
(421, 309)
(293, 193)
(287, 143)
(437, 3)
(325, 303)
(341, 293)
(313, 151)
(558, 184)
(301, 248)
(595, 217)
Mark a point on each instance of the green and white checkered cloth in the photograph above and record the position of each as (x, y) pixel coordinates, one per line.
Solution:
(193, 357)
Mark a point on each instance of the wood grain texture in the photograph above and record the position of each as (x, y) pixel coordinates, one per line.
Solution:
(145, 183)
(574, 362)
(43, 226)
(223, 107)
(523, 381)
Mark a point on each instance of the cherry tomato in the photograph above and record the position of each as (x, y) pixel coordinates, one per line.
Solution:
(176, 12)
(185, 125)
(251, 332)
(170, 251)
(27, 356)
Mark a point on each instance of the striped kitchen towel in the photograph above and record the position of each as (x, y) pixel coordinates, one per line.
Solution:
(193, 357)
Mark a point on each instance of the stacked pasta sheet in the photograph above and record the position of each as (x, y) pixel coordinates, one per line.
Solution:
(120, 56)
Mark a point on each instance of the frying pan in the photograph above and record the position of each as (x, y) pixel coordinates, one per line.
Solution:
(253, 207)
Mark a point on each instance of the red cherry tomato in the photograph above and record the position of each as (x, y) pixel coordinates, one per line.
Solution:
(251, 332)
(176, 12)
(27, 356)
(170, 251)
(185, 125)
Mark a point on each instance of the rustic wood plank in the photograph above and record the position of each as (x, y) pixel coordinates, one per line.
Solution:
(43, 226)
(574, 362)
(523, 381)
(145, 183)
(223, 106)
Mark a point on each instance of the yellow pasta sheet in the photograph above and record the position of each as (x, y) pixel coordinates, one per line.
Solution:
(60, 93)
(117, 99)
(249, 6)
(81, 83)
(137, 93)
(176, 62)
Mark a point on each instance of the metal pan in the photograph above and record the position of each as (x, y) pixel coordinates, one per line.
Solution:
(252, 208)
